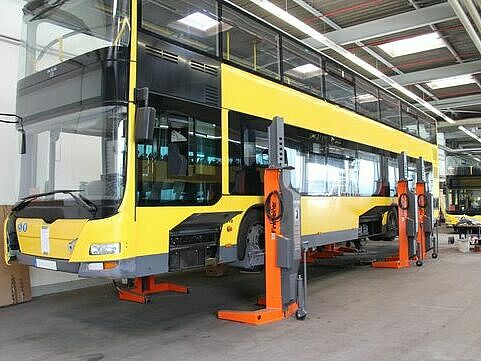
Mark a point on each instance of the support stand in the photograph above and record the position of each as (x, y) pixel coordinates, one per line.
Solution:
(421, 234)
(328, 252)
(285, 292)
(146, 286)
(274, 309)
(402, 260)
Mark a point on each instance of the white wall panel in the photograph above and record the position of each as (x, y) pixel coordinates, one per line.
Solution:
(10, 30)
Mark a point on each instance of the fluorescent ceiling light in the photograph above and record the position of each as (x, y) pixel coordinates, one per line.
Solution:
(309, 31)
(199, 21)
(413, 45)
(305, 71)
(451, 82)
(366, 98)
(470, 133)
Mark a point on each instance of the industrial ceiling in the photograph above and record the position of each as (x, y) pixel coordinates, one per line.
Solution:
(364, 26)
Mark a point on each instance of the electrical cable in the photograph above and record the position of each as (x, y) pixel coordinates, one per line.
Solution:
(18, 121)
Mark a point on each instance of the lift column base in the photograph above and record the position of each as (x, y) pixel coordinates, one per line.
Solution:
(259, 317)
(396, 264)
(146, 286)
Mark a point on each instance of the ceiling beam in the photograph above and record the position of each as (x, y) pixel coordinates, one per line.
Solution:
(460, 137)
(388, 25)
(422, 76)
(447, 127)
(457, 102)
(367, 49)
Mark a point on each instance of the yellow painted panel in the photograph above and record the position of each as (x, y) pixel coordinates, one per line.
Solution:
(247, 93)
(452, 219)
(5, 250)
(118, 228)
(328, 214)
(61, 232)
(154, 223)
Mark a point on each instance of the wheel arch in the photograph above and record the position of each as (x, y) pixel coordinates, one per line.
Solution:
(242, 241)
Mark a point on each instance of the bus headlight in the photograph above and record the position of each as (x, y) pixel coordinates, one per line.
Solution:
(104, 249)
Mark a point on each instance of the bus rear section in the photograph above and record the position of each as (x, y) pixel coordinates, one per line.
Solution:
(463, 198)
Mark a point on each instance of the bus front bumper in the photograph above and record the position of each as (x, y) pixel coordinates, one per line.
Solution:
(125, 268)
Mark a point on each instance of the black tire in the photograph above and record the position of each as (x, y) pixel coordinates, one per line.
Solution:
(253, 218)
(419, 263)
(301, 315)
(434, 255)
(391, 227)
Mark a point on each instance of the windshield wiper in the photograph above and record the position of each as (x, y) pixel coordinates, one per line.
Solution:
(39, 9)
(78, 198)
(85, 202)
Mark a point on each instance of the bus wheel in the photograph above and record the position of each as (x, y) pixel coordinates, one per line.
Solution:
(250, 240)
(391, 226)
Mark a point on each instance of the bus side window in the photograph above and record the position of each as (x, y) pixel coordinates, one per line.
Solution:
(248, 153)
(177, 163)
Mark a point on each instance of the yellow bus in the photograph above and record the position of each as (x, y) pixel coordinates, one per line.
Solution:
(101, 201)
(462, 196)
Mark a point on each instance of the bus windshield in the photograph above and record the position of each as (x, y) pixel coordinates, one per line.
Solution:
(464, 201)
(55, 31)
(84, 151)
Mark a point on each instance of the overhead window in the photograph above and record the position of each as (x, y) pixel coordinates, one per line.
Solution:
(194, 24)
(390, 109)
(409, 119)
(367, 98)
(427, 128)
(250, 44)
(339, 85)
(302, 67)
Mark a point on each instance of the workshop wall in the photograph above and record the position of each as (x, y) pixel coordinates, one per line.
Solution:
(42, 281)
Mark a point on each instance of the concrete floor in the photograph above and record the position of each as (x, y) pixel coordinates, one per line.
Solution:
(356, 313)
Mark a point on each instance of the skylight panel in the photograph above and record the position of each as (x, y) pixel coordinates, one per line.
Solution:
(413, 45)
(451, 82)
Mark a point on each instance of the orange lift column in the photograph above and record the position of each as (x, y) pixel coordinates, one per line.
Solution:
(426, 240)
(402, 260)
(422, 203)
(284, 287)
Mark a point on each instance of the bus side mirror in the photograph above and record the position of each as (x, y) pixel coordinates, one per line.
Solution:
(23, 142)
(144, 124)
